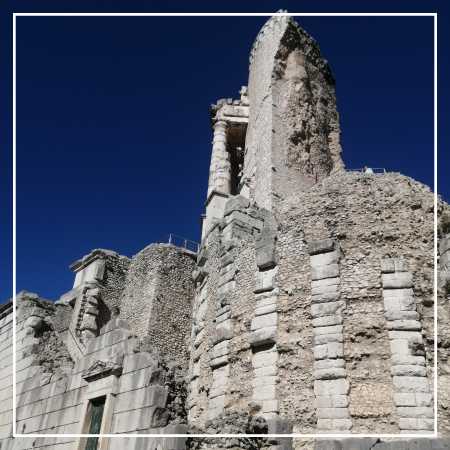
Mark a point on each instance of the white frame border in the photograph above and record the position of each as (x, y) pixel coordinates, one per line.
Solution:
(329, 436)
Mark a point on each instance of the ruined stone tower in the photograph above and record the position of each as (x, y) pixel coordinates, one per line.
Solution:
(308, 308)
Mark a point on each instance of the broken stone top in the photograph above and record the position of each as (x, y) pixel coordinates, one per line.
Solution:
(98, 253)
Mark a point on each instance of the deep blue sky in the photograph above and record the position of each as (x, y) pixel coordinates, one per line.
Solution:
(113, 135)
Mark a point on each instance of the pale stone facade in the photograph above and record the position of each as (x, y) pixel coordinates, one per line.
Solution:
(309, 307)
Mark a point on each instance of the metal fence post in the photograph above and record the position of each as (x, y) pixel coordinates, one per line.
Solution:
(170, 238)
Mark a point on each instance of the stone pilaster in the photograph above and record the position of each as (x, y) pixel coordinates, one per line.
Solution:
(412, 391)
(330, 385)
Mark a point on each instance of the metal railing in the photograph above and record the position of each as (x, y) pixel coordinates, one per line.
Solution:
(374, 169)
(179, 241)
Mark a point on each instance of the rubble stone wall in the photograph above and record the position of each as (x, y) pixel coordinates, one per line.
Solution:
(158, 297)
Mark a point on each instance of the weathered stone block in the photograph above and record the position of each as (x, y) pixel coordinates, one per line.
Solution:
(263, 336)
(325, 259)
(401, 265)
(318, 331)
(411, 384)
(265, 371)
(408, 360)
(93, 292)
(325, 289)
(267, 320)
(265, 310)
(264, 359)
(339, 401)
(327, 309)
(315, 284)
(398, 280)
(91, 310)
(267, 392)
(220, 361)
(409, 371)
(408, 424)
(265, 381)
(325, 425)
(329, 374)
(444, 244)
(387, 265)
(321, 351)
(226, 259)
(89, 323)
(401, 315)
(141, 398)
(332, 413)
(426, 424)
(411, 336)
(331, 387)
(326, 298)
(341, 424)
(236, 203)
(444, 259)
(266, 302)
(418, 412)
(398, 292)
(327, 321)
(200, 274)
(323, 246)
(319, 273)
(405, 399)
(263, 282)
(266, 256)
(335, 350)
(323, 401)
(408, 303)
(270, 406)
(221, 334)
(406, 325)
(326, 338)
(202, 257)
(423, 399)
(329, 364)
(399, 347)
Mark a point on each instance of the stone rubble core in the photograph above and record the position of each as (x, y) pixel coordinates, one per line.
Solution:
(331, 388)
(412, 398)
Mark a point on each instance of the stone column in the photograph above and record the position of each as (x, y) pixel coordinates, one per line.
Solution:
(220, 169)
(409, 374)
(330, 385)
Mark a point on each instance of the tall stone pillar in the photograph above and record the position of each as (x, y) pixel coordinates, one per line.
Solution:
(220, 170)
(219, 185)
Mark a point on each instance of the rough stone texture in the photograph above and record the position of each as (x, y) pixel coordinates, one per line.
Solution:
(289, 83)
(158, 297)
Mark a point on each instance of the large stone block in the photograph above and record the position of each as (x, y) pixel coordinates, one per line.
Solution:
(411, 384)
(263, 336)
(323, 246)
(404, 325)
(335, 350)
(326, 298)
(329, 374)
(409, 371)
(341, 424)
(202, 257)
(140, 419)
(398, 280)
(267, 392)
(139, 361)
(316, 284)
(328, 309)
(331, 387)
(265, 309)
(399, 347)
(444, 244)
(398, 293)
(226, 259)
(236, 203)
(222, 333)
(319, 273)
(405, 399)
(325, 259)
(423, 399)
(113, 325)
(329, 364)
(332, 413)
(418, 412)
(264, 359)
(327, 444)
(327, 321)
(267, 320)
(141, 398)
(444, 259)
(263, 282)
(318, 331)
(401, 315)
(266, 256)
(325, 289)
(327, 338)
